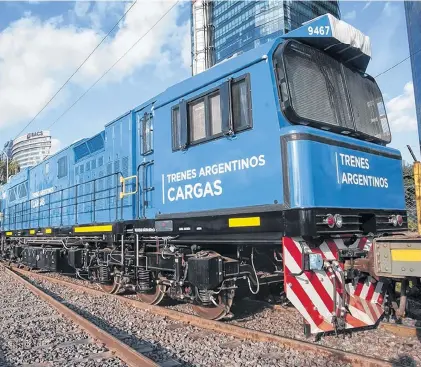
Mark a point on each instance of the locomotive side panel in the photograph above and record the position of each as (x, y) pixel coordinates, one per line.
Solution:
(15, 195)
(118, 162)
(220, 171)
(47, 181)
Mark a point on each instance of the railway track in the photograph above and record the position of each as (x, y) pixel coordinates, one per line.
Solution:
(402, 330)
(397, 329)
(65, 329)
(340, 356)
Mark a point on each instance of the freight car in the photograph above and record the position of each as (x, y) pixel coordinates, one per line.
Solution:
(267, 173)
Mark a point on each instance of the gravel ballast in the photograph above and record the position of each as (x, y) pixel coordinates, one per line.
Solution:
(172, 343)
(377, 343)
(32, 333)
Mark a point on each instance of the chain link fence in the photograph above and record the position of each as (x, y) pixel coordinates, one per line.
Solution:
(411, 205)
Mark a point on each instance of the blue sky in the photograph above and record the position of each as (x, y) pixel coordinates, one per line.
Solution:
(42, 43)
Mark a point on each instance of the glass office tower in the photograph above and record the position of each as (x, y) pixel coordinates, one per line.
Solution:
(413, 24)
(222, 28)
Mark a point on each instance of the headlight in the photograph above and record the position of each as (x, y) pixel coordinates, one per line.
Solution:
(315, 262)
(338, 220)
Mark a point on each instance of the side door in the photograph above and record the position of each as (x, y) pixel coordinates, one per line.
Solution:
(145, 168)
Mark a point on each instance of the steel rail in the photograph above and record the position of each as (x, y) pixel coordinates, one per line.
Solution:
(397, 329)
(402, 330)
(128, 355)
(221, 327)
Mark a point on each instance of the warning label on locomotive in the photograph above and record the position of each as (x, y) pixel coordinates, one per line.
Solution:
(345, 162)
(173, 188)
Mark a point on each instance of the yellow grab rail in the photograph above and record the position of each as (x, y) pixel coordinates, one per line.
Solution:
(123, 180)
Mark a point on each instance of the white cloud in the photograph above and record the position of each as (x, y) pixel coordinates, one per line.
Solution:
(55, 146)
(36, 56)
(81, 8)
(100, 12)
(350, 15)
(401, 111)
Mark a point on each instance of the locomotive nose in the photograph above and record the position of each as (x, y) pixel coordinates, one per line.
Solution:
(354, 180)
(330, 171)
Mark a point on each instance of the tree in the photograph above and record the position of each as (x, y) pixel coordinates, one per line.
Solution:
(408, 174)
(13, 169)
(409, 186)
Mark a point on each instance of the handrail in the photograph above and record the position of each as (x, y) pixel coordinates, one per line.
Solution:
(20, 214)
(123, 180)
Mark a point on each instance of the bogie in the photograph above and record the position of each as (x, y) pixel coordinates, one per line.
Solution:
(207, 279)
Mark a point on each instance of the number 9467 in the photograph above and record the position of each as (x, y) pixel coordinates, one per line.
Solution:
(320, 31)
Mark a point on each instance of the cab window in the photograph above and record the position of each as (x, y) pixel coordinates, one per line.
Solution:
(225, 110)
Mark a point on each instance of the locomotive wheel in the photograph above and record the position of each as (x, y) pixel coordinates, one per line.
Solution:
(110, 288)
(212, 311)
(113, 287)
(153, 297)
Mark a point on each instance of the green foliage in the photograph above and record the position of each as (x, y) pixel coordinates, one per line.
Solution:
(13, 169)
(408, 174)
(411, 205)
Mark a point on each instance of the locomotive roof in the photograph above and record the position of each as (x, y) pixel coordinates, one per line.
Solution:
(342, 41)
(215, 73)
(337, 38)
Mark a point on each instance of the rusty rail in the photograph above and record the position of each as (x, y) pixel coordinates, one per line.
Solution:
(402, 330)
(221, 327)
(124, 352)
(397, 329)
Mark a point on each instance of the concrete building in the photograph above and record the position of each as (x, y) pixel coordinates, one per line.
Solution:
(413, 23)
(30, 149)
(222, 28)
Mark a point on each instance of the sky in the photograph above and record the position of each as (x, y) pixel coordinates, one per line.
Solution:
(42, 43)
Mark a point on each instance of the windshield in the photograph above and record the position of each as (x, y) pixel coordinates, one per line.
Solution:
(320, 91)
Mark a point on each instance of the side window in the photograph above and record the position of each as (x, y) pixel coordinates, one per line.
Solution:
(241, 105)
(205, 119)
(176, 128)
(22, 190)
(223, 111)
(12, 194)
(147, 132)
(197, 120)
(62, 167)
(47, 168)
(215, 113)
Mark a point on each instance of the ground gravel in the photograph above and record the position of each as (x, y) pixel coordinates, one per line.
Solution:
(172, 343)
(377, 343)
(32, 333)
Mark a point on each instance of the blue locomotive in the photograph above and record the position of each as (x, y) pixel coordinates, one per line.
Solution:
(268, 173)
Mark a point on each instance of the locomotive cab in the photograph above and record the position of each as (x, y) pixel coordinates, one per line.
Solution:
(336, 145)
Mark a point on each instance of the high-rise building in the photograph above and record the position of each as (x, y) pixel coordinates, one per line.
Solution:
(413, 24)
(222, 28)
(30, 149)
